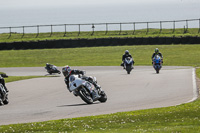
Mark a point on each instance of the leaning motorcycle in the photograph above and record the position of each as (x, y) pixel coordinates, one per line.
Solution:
(3, 94)
(157, 63)
(128, 64)
(83, 88)
(53, 69)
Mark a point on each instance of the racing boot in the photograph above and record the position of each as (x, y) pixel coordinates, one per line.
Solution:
(95, 96)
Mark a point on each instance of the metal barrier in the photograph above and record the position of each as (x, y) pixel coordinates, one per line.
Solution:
(130, 26)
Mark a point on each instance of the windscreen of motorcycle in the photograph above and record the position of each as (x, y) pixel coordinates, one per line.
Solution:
(71, 78)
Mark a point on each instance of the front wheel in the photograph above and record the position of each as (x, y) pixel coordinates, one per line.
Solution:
(85, 96)
(128, 69)
(103, 98)
(6, 101)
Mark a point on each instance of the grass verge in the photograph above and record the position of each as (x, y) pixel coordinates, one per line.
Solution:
(17, 78)
(18, 37)
(179, 55)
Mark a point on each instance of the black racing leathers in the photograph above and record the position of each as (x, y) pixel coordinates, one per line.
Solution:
(125, 56)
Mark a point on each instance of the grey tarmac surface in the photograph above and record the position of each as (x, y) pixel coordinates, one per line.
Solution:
(43, 99)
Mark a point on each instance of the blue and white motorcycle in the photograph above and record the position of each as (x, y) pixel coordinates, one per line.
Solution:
(128, 64)
(157, 63)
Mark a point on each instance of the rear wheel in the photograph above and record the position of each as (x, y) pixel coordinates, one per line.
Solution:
(85, 96)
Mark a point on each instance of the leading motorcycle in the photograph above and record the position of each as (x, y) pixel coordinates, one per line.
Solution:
(157, 63)
(128, 64)
(80, 87)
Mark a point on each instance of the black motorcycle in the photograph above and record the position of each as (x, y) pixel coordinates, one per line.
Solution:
(52, 69)
(3, 93)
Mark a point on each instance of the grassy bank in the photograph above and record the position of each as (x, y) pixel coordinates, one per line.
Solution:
(181, 55)
(18, 37)
(182, 118)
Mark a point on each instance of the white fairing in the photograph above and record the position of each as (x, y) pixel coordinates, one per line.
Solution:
(75, 82)
(128, 60)
(54, 67)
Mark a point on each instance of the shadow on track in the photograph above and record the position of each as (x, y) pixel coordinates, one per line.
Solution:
(83, 104)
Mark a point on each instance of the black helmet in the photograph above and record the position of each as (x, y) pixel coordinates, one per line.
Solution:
(156, 50)
(126, 52)
(66, 70)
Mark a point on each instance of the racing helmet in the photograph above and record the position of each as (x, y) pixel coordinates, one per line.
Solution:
(156, 50)
(126, 52)
(66, 70)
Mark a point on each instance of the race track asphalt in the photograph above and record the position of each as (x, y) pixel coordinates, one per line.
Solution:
(43, 99)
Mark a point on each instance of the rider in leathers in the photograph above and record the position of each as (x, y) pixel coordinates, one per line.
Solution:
(157, 53)
(2, 81)
(67, 72)
(126, 54)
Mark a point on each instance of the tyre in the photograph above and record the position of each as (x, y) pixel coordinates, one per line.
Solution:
(103, 98)
(128, 69)
(157, 71)
(85, 96)
(6, 101)
(1, 102)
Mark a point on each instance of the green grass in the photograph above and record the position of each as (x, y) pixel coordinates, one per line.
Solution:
(18, 37)
(17, 78)
(178, 55)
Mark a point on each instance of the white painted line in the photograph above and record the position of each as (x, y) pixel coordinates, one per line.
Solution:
(195, 88)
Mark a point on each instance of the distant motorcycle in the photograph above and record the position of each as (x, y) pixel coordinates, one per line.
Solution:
(157, 63)
(83, 88)
(52, 69)
(128, 64)
(3, 94)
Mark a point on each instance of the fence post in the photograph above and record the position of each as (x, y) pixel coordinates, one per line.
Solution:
(186, 28)
(79, 29)
(23, 32)
(174, 27)
(65, 30)
(199, 26)
(10, 32)
(133, 28)
(106, 28)
(93, 29)
(38, 31)
(160, 27)
(51, 30)
(120, 28)
(147, 27)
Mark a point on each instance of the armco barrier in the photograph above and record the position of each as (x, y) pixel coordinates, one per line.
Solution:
(72, 43)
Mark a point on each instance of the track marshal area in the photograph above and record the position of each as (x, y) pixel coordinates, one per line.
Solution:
(42, 99)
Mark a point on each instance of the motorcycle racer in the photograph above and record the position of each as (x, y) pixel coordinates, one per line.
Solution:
(157, 53)
(2, 81)
(125, 55)
(67, 72)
